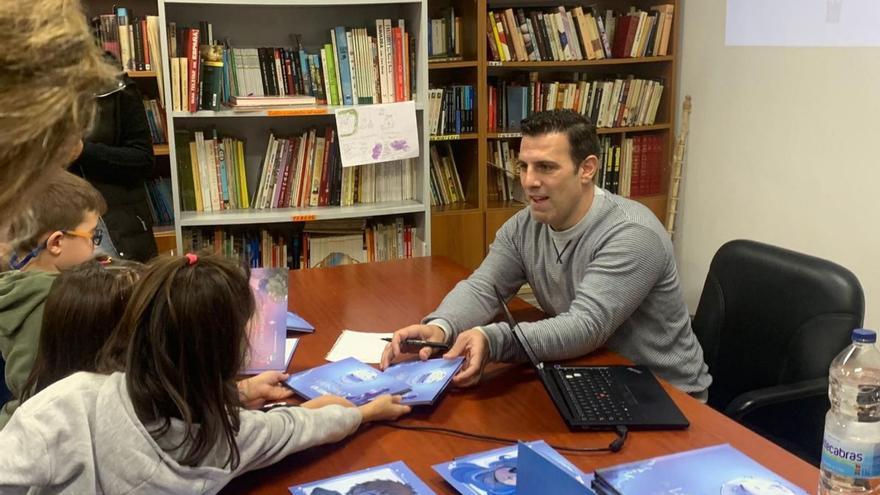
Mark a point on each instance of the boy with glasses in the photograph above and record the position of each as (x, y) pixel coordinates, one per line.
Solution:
(66, 217)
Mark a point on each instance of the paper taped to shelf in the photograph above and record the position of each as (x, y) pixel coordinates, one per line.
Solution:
(377, 133)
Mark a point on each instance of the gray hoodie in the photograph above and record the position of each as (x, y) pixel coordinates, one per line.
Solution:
(81, 435)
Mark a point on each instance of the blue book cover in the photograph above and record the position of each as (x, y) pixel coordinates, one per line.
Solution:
(296, 323)
(538, 474)
(348, 378)
(426, 379)
(344, 67)
(719, 469)
(267, 329)
(388, 479)
(494, 472)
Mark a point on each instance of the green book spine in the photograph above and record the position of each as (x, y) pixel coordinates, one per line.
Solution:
(184, 171)
(331, 74)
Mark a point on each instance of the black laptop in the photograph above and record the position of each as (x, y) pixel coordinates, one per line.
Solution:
(603, 397)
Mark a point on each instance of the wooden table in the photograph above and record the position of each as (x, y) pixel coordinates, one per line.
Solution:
(509, 402)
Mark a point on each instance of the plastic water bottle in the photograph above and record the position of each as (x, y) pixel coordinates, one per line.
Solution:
(851, 447)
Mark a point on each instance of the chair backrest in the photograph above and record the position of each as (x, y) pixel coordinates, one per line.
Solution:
(770, 316)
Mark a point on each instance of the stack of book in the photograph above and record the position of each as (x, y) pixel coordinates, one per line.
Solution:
(445, 181)
(161, 204)
(633, 168)
(609, 102)
(504, 162)
(451, 110)
(578, 34)
(134, 41)
(444, 36)
(156, 121)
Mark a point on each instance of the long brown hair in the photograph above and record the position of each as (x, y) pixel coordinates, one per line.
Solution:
(82, 309)
(187, 325)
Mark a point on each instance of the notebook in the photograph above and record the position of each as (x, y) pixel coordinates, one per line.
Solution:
(719, 469)
(602, 397)
(391, 479)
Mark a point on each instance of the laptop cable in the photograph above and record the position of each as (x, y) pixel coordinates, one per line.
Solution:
(615, 446)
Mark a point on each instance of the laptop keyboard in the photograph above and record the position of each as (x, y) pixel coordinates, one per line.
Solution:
(590, 392)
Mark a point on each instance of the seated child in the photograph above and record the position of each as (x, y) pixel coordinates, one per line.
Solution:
(66, 218)
(172, 421)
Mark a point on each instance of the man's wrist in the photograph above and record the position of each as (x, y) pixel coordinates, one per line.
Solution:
(444, 326)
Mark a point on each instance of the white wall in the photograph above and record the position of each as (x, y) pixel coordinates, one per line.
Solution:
(784, 148)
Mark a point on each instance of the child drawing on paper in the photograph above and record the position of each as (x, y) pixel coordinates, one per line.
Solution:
(347, 122)
(498, 478)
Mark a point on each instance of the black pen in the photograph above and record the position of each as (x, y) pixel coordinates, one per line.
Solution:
(421, 343)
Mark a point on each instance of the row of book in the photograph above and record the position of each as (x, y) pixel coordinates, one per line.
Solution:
(444, 35)
(353, 68)
(156, 120)
(580, 33)
(314, 245)
(451, 110)
(503, 162)
(299, 171)
(632, 168)
(134, 41)
(160, 200)
(612, 102)
(445, 181)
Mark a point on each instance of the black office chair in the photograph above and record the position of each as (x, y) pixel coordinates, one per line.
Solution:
(770, 322)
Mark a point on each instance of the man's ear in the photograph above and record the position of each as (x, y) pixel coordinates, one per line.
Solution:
(588, 168)
(53, 243)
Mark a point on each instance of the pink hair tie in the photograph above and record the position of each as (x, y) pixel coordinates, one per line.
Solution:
(191, 258)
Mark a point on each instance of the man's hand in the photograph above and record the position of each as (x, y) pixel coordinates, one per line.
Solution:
(471, 344)
(326, 400)
(396, 347)
(265, 387)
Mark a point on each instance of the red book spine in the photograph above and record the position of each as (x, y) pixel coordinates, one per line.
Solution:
(146, 50)
(399, 94)
(284, 198)
(620, 34)
(192, 50)
(324, 195)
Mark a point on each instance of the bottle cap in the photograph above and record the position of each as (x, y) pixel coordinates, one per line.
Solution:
(864, 335)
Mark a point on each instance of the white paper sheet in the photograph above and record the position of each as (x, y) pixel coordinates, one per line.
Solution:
(377, 133)
(364, 346)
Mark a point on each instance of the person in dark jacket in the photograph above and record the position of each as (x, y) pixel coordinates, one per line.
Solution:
(117, 158)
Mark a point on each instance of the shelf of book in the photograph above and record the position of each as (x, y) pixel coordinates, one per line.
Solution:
(603, 130)
(328, 110)
(281, 215)
(136, 74)
(455, 208)
(456, 64)
(535, 65)
(454, 137)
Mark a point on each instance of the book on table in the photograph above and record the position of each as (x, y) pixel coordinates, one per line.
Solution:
(267, 328)
(420, 382)
(391, 479)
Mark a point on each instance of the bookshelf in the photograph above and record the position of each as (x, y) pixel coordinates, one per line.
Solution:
(464, 230)
(273, 23)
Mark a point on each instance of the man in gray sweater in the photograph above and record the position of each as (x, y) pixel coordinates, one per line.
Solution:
(601, 266)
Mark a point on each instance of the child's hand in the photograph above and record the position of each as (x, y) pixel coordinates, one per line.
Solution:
(382, 408)
(326, 400)
(265, 387)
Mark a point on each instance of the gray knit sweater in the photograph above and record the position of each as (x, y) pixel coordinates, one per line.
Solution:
(610, 280)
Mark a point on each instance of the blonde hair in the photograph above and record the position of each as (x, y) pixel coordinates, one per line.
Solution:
(50, 69)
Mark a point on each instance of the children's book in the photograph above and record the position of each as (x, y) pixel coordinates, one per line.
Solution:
(426, 379)
(267, 329)
(349, 378)
(539, 473)
(719, 469)
(391, 479)
(296, 323)
(495, 472)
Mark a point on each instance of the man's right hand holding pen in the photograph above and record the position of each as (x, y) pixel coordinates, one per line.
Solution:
(470, 344)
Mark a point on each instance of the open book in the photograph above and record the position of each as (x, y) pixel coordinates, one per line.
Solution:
(420, 382)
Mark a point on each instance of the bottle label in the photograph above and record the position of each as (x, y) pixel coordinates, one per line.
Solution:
(850, 459)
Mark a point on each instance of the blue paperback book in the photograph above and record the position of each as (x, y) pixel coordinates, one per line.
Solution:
(348, 378)
(426, 379)
(296, 323)
(719, 469)
(392, 479)
(495, 472)
(266, 330)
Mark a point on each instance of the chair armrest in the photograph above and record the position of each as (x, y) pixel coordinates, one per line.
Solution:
(748, 402)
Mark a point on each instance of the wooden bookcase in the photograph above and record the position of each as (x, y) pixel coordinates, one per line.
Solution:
(464, 231)
(271, 23)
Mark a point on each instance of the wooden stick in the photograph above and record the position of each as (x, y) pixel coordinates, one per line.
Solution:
(678, 154)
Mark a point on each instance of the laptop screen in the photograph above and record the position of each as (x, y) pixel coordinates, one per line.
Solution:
(517, 331)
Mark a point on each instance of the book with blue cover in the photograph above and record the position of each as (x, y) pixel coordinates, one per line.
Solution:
(348, 378)
(426, 379)
(267, 330)
(394, 478)
(296, 323)
(719, 469)
(496, 472)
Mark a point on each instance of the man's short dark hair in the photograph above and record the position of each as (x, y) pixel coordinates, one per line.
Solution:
(581, 133)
